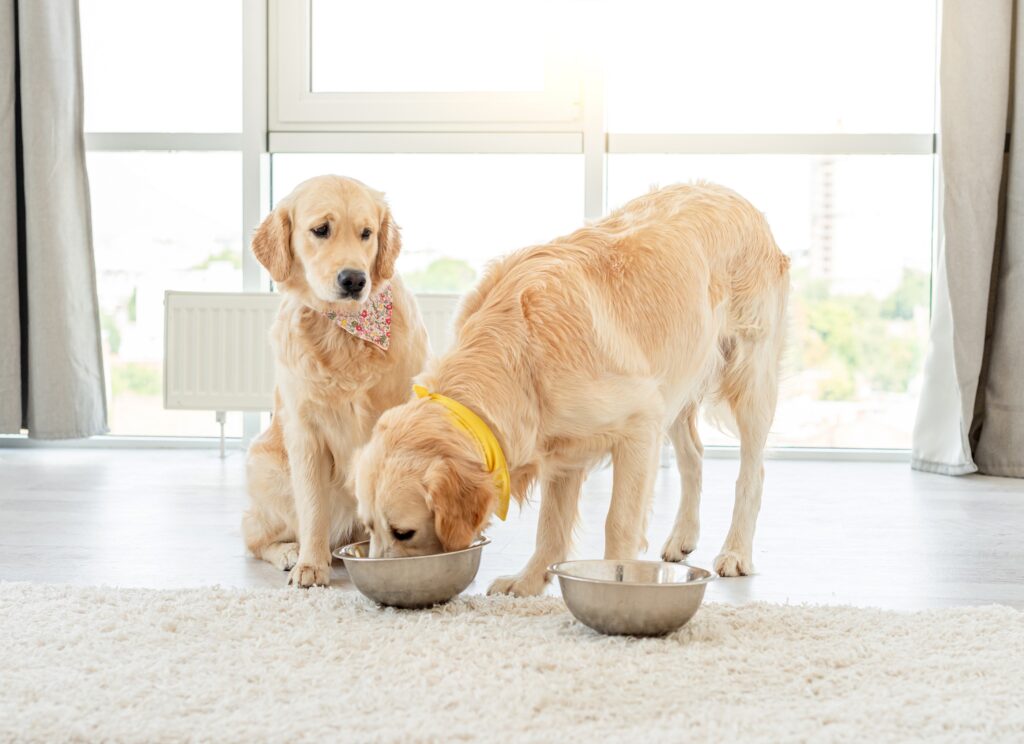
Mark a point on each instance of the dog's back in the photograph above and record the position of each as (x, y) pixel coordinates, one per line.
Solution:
(667, 287)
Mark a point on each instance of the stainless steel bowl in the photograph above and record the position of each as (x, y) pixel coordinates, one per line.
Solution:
(642, 598)
(419, 581)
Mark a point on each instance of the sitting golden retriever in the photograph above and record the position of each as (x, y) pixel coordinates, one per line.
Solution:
(594, 344)
(348, 339)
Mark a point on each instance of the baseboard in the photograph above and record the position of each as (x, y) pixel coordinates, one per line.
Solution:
(717, 452)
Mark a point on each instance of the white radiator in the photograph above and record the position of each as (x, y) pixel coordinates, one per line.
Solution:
(438, 311)
(217, 356)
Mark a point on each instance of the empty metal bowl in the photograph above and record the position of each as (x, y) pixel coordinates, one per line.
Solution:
(642, 598)
(411, 583)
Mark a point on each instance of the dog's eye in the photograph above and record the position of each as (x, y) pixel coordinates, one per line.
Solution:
(367, 232)
(403, 535)
(322, 231)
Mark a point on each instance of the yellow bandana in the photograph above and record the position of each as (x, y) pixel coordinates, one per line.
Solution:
(494, 458)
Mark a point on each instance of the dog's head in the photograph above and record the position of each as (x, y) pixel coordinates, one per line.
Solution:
(421, 485)
(332, 239)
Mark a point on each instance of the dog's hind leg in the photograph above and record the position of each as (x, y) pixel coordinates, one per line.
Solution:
(270, 540)
(634, 467)
(750, 385)
(689, 461)
(560, 496)
(265, 527)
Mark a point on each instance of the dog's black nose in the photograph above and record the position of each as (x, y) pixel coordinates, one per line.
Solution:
(351, 282)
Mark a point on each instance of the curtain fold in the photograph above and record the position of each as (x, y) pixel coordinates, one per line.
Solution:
(971, 411)
(51, 366)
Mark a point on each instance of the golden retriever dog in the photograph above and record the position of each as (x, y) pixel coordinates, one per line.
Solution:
(595, 344)
(347, 339)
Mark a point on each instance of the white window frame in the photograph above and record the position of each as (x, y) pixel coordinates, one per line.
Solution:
(281, 115)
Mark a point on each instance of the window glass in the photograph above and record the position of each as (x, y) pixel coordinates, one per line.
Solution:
(457, 212)
(441, 46)
(858, 231)
(161, 221)
(779, 66)
(162, 67)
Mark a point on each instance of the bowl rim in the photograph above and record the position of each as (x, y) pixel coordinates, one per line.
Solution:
(559, 570)
(340, 552)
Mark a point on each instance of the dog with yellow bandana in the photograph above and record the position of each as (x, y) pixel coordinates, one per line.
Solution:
(596, 344)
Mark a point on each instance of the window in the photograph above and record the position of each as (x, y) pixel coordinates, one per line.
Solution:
(780, 66)
(858, 231)
(161, 90)
(833, 143)
(532, 117)
(161, 220)
(342, 65)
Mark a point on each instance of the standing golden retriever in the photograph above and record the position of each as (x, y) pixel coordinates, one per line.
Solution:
(348, 339)
(591, 345)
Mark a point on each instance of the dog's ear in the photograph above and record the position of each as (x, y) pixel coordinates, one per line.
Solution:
(460, 504)
(272, 244)
(389, 243)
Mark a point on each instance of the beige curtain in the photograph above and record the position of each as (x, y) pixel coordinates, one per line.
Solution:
(971, 414)
(51, 367)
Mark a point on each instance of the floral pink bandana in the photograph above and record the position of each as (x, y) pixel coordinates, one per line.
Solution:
(371, 323)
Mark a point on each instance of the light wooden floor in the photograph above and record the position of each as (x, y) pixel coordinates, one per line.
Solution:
(874, 534)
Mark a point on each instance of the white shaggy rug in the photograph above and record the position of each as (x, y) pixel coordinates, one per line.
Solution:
(286, 665)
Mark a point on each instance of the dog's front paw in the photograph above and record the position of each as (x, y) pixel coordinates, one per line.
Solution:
(520, 585)
(679, 545)
(733, 563)
(308, 574)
